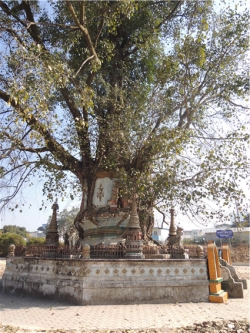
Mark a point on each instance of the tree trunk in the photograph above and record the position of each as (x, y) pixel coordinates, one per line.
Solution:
(88, 211)
(146, 218)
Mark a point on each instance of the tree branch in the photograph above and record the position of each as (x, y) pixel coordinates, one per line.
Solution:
(163, 216)
(23, 177)
(52, 145)
(82, 12)
(9, 12)
(238, 105)
(32, 28)
(85, 61)
(178, 3)
(99, 30)
(84, 31)
(17, 37)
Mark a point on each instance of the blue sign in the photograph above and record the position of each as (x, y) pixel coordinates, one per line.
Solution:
(224, 234)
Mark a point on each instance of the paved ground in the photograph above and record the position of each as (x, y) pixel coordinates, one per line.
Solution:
(30, 313)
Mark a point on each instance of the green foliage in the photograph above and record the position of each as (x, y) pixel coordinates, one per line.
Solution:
(199, 240)
(194, 241)
(15, 230)
(35, 241)
(8, 238)
(65, 220)
(241, 221)
(188, 241)
(153, 91)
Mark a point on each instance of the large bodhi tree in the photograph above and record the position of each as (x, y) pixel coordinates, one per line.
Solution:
(151, 90)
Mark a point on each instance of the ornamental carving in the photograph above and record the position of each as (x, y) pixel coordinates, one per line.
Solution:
(100, 192)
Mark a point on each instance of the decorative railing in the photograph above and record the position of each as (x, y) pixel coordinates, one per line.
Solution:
(192, 251)
(109, 251)
(106, 251)
(45, 251)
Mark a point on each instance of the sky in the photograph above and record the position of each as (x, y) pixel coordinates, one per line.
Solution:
(32, 217)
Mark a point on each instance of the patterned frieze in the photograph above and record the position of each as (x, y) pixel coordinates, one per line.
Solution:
(80, 268)
(83, 280)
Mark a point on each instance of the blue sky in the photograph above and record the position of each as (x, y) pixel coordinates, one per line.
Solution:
(31, 217)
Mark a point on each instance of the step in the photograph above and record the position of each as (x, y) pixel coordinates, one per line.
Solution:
(220, 297)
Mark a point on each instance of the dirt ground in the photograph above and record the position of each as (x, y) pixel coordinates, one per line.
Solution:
(240, 253)
(205, 327)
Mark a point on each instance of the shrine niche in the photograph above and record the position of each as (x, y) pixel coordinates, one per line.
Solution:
(117, 201)
(110, 209)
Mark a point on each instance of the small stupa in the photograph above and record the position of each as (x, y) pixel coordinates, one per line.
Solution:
(52, 236)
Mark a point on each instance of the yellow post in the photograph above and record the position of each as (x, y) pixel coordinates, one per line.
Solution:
(226, 254)
(216, 294)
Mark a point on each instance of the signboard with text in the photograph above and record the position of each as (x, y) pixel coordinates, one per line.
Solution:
(224, 233)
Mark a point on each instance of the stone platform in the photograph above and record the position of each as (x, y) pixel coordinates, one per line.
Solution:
(97, 282)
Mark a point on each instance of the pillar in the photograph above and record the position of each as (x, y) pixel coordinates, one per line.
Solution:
(172, 229)
(216, 294)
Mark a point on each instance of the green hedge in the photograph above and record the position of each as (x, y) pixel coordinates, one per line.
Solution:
(8, 238)
(35, 241)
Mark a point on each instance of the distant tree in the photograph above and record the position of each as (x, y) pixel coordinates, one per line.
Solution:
(15, 230)
(247, 220)
(188, 241)
(241, 221)
(35, 241)
(9, 238)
